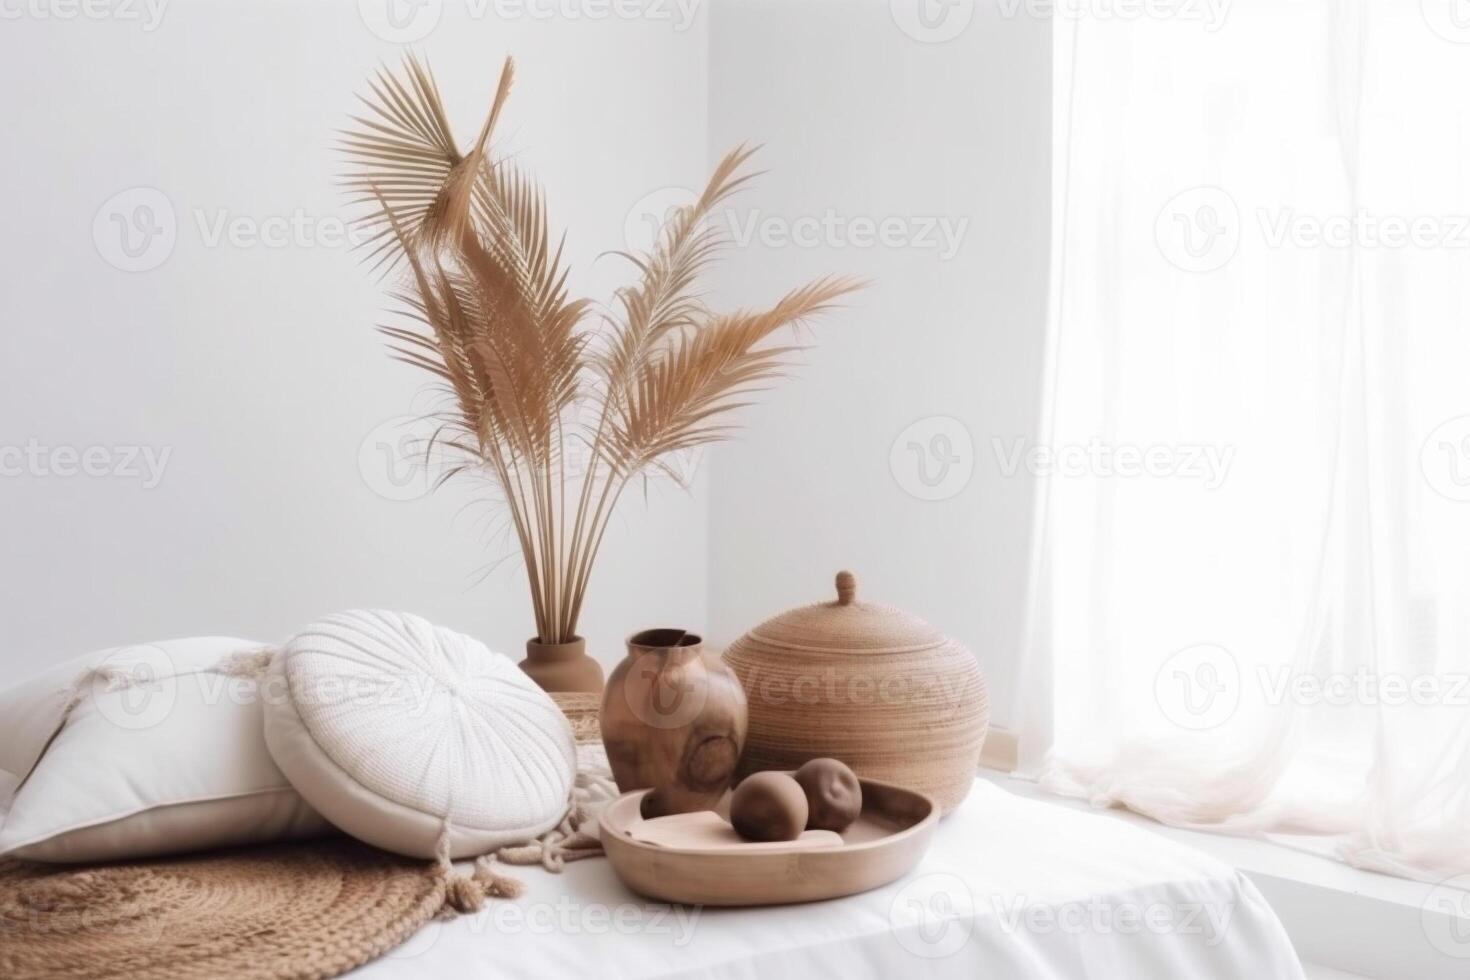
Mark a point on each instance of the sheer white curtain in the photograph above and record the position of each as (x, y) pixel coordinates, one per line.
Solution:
(1253, 578)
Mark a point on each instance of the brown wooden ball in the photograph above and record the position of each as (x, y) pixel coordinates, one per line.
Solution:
(768, 806)
(833, 795)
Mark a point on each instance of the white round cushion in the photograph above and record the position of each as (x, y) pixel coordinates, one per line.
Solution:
(389, 725)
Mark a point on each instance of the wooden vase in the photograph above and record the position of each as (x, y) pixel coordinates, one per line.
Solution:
(562, 667)
(673, 720)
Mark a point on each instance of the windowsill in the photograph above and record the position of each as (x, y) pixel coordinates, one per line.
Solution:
(1362, 922)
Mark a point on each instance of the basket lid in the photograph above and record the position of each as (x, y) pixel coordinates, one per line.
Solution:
(847, 625)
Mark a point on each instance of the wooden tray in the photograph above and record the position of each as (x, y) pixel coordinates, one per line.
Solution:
(887, 840)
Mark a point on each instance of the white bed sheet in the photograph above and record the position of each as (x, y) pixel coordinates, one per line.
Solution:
(1011, 888)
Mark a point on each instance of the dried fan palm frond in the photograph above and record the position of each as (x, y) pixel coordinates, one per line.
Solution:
(490, 316)
(678, 400)
(662, 302)
(406, 158)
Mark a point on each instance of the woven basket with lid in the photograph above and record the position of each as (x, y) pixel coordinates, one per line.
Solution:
(876, 687)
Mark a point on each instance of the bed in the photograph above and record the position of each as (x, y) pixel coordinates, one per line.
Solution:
(1011, 887)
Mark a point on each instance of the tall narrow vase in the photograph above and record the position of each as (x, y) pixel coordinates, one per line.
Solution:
(562, 667)
(673, 720)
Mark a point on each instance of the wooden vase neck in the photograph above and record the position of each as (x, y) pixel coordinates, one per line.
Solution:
(673, 644)
(547, 652)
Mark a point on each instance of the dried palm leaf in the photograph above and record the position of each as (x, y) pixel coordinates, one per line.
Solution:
(490, 316)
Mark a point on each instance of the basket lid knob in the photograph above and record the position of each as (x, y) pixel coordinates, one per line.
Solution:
(846, 588)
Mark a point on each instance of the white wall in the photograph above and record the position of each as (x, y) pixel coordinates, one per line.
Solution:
(869, 112)
(257, 368)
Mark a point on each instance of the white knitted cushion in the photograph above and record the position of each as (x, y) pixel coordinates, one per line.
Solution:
(393, 727)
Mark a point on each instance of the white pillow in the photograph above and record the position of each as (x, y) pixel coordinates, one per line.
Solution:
(140, 751)
(395, 728)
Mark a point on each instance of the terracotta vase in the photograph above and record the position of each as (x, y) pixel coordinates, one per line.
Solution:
(673, 720)
(562, 667)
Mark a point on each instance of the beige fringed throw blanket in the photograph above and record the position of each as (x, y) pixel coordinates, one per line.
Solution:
(571, 840)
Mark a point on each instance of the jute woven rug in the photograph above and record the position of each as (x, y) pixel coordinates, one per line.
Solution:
(312, 909)
(304, 910)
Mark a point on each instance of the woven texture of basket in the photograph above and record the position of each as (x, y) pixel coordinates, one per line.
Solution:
(868, 684)
(582, 711)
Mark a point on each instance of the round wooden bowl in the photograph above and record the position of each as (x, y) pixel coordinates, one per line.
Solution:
(886, 841)
(874, 686)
